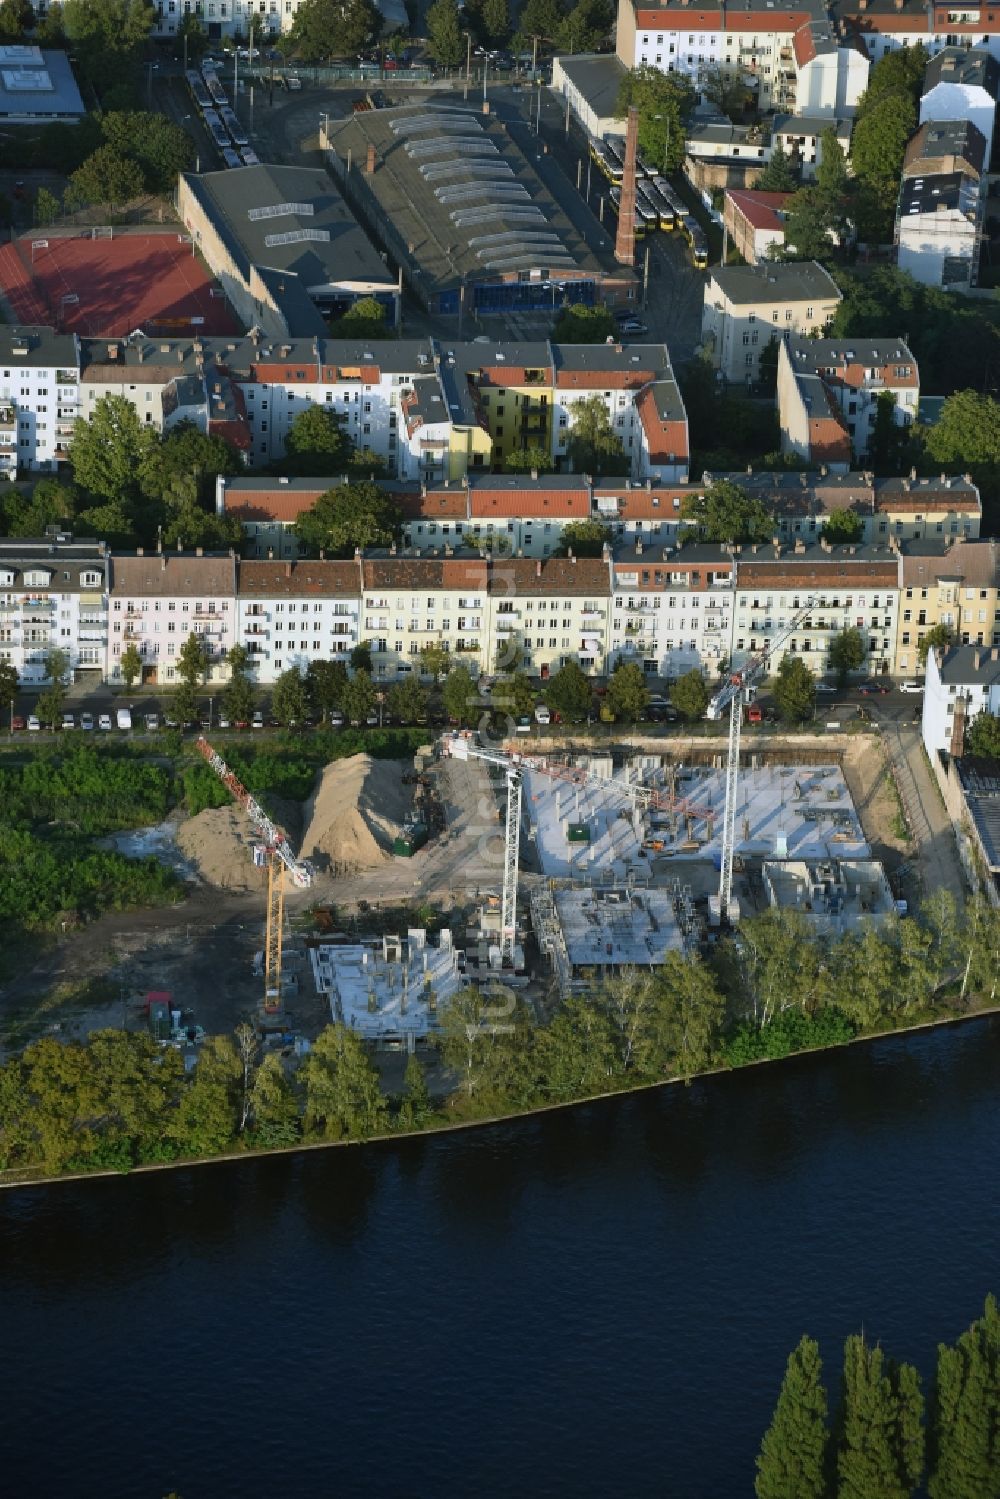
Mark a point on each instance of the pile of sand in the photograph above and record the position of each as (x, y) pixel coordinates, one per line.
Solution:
(355, 811)
(219, 843)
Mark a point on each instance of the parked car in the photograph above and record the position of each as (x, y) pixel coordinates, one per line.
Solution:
(825, 687)
(68, 721)
(124, 718)
(104, 722)
(33, 723)
(17, 722)
(523, 725)
(632, 325)
(372, 720)
(224, 722)
(911, 686)
(258, 719)
(542, 714)
(86, 721)
(152, 722)
(336, 719)
(874, 688)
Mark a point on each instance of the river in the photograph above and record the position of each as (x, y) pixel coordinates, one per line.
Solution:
(597, 1302)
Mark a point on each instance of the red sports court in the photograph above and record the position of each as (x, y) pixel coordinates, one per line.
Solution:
(105, 283)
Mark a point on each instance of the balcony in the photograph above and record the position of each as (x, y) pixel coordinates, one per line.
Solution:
(506, 626)
(467, 647)
(8, 419)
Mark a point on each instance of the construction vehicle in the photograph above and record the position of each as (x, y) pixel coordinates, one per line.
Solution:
(733, 694)
(276, 853)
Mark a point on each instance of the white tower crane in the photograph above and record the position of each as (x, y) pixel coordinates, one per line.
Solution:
(463, 747)
(732, 695)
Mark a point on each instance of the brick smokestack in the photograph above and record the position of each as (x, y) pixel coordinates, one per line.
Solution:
(370, 160)
(625, 238)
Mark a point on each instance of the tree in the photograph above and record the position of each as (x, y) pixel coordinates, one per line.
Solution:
(316, 443)
(690, 1011)
(726, 513)
(290, 700)
(831, 169)
(342, 1094)
(627, 694)
(444, 31)
(130, 665)
(594, 447)
(47, 207)
(967, 433)
(416, 1107)
(664, 102)
(274, 1111)
(325, 683)
(690, 695)
(160, 149)
(334, 28)
(777, 176)
(882, 130)
(792, 1459)
(541, 18)
(435, 660)
(576, 1053)
(460, 695)
(9, 682)
(812, 226)
(847, 653)
(529, 460)
(52, 503)
(16, 17)
(586, 28)
(496, 20)
(570, 693)
(107, 451)
(583, 538)
(350, 516)
(485, 1038)
(873, 1457)
(108, 26)
(361, 657)
(185, 454)
(185, 704)
(965, 1462)
(408, 700)
(107, 178)
(982, 737)
(938, 637)
(795, 689)
(514, 695)
(364, 319)
(580, 324)
(193, 660)
(194, 32)
(358, 697)
(237, 699)
(207, 1117)
(843, 527)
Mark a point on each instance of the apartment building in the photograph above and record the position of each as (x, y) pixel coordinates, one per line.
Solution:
(636, 385)
(961, 683)
(885, 26)
(801, 502)
(939, 216)
(828, 393)
(753, 222)
(851, 587)
(411, 602)
(548, 612)
(800, 136)
(53, 596)
(39, 398)
(673, 609)
(291, 613)
(963, 84)
(158, 599)
(953, 583)
(747, 306)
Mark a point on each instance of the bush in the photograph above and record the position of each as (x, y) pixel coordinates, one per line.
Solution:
(793, 1031)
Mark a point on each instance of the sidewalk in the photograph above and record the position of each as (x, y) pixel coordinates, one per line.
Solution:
(938, 861)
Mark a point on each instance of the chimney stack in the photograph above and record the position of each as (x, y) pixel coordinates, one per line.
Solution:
(370, 160)
(538, 568)
(288, 569)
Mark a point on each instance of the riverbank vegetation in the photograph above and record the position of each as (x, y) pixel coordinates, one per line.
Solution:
(119, 1100)
(884, 1435)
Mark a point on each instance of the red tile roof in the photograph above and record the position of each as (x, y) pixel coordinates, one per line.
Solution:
(278, 504)
(532, 501)
(306, 579)
(759, 209)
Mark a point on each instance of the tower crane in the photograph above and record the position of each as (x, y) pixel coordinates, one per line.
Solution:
(732, 695)
(280, 861)
(463, 747)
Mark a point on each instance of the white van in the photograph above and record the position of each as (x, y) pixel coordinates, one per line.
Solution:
(542, 714)
(124, 718)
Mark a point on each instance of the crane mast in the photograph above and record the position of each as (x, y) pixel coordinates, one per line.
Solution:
(280, 862)
(732, 695)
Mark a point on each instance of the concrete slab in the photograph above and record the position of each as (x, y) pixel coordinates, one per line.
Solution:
(388, 989)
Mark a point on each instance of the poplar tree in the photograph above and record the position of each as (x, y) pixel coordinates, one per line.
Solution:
(792, 1459)
(965, 1462)
(881, 1446)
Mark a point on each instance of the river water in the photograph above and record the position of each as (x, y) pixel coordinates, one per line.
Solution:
(598, 1302)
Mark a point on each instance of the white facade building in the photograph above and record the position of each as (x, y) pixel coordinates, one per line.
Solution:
(290, 614)
(39, 397)
(960, 683)
(673, 611)
(158, 599)
(962, 84)
(53, 596)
